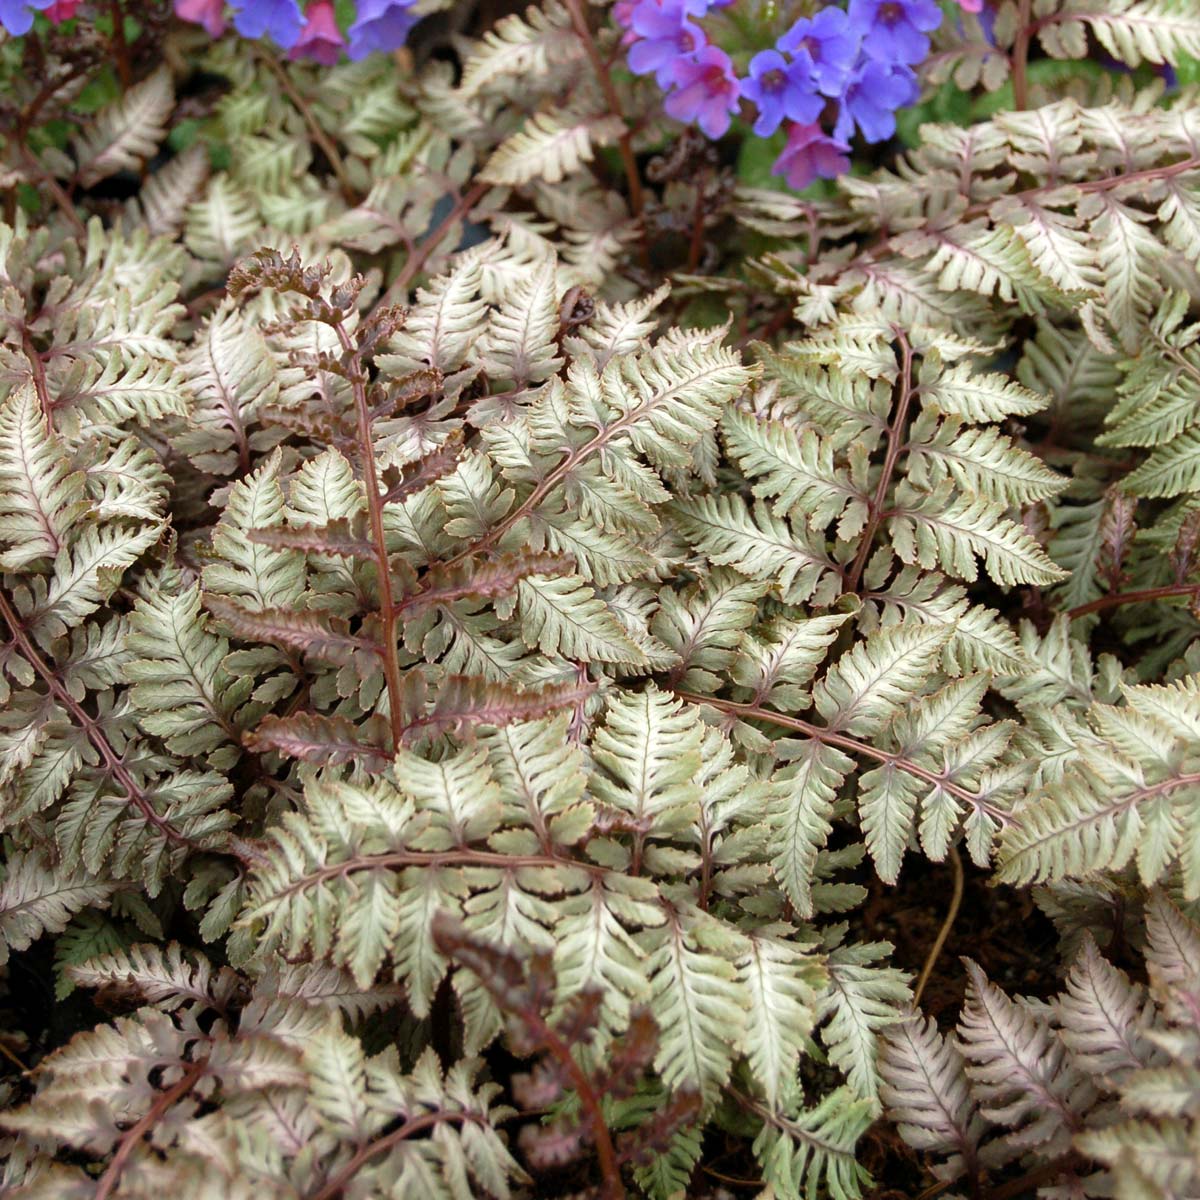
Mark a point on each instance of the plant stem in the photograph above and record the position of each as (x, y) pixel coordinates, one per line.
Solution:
(433, 859)
(696, 245)
(387, 604)
(1115, 599)
(895, 440)
(1020, 57)
(612, 1188)
(415, 261)
(851, 746)
(364, 1154)
(947, 924)
(633, 180)
(132, 1136)
(116, 767)
(326, 143)
(37, 371)
(120, 46)
(570, 460)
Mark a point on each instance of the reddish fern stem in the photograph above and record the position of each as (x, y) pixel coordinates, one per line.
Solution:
(430, 859)
(132, 1136)
(570, 460)
(37, 371)
(895, 441)
(364, 1154)
(119, 44)
(637, 199)
(116, 767)
(318, 135)
(982, 208)
(1115, 599)
(613, 1188)
(851, 745)
(387, 603)
(399, 286)
(1019, 58)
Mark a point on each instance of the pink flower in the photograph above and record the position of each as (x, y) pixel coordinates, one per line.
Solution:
(61, 10)
(810, 153)
(706, 90)
(320, 39)
(971, 6)
(208, 13)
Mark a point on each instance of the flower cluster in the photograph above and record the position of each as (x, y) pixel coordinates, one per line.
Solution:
(310, 32)
(314, 34)
(829, 75)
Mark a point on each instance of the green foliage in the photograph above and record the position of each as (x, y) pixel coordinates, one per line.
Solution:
(460, 604)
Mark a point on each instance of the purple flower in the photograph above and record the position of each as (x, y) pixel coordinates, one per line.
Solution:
(871, 98)
(17, 15)
(707, 91)
(381, 25)
(280, 20)
(809, 153)
(665, 36)
(320, 40)
(209, 13)
(828, 44)
(780, 90)
(894, 30)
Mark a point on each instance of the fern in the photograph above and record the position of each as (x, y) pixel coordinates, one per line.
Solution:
(482, 570)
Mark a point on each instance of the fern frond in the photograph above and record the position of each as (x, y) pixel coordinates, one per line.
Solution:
(41, 497)
(128, 131)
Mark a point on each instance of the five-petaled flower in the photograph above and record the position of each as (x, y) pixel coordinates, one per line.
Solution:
(707, 91)
(664, 36)
(810, 153)
(320, 39)
(280, 20)
(380, 25)
(209, 13)
(894, 30)
(17, 15)
(780, 89)
(827, 44)
(871, 99)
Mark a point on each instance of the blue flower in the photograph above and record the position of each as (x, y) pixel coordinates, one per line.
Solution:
(871, 98)
(380, 25)
(665, 35)
(17, 15)
(707, 91)
(827, 44)
(894, 30)
(780, 89)
(280, 20)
